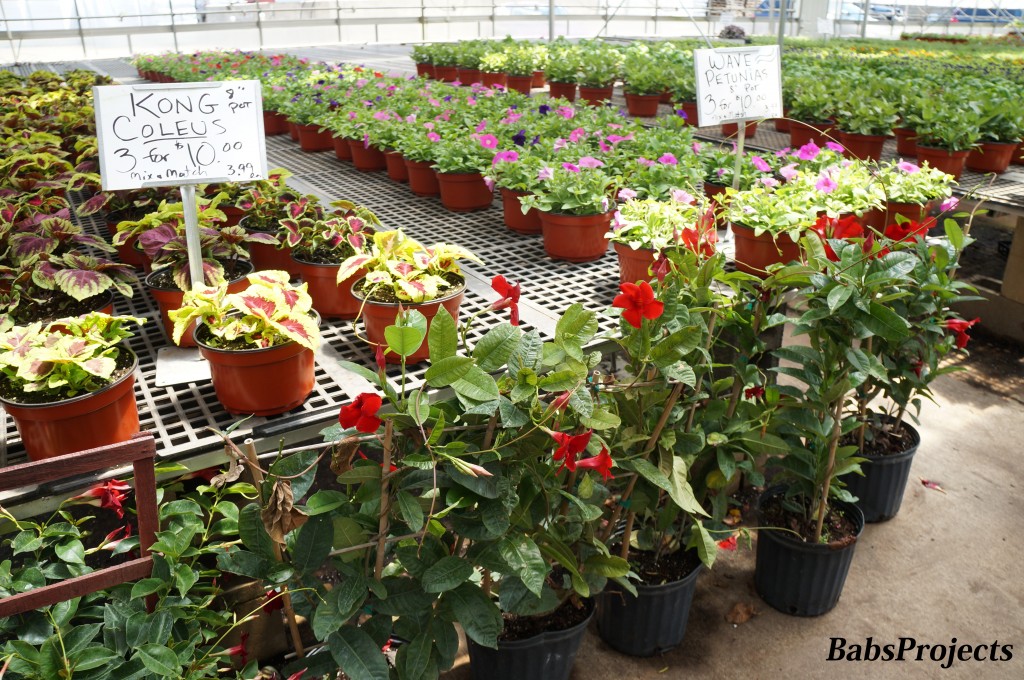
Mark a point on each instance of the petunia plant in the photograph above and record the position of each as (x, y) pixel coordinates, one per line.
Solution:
(573, 188)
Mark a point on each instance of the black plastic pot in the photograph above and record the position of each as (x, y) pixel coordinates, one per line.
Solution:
(798, 578)
(651, 623)
(880, 490)
(549, 655)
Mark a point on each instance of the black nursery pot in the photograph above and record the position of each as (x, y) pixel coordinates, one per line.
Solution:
(798, 578)
(651, 623)
(880, 490)
(549, 655)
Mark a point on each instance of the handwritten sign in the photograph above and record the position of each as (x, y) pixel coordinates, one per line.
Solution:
(180, 133)
(738, 83)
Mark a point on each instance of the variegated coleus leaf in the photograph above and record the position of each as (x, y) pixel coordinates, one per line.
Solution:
(352, 265)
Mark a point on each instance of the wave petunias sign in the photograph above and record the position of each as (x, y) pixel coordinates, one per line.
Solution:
(180, 133)
(738, 83)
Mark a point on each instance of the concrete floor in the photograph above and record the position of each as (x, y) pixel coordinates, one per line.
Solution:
(945, 567)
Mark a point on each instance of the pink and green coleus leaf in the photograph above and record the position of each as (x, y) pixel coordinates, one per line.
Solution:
(82, 283)
(301, 328)
(352, 265)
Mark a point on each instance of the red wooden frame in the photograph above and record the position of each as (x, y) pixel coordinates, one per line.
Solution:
(140, 451)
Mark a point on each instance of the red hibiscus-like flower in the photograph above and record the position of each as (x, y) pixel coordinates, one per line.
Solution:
(239, 650)
(561, 401)
(602, 462)
(638, 302)
(362, 413)
(273, 601)
(702, 238)
(960, 327)
(110, 494)
(570, 446)
(755, 392)
(837, 228)
(509, 297)
(728, 543)
(909, 230)
(661, 266)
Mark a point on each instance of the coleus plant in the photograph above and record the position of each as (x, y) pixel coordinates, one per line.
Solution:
(62, 359)
(269, 312)
(332, 240)
(401, 269)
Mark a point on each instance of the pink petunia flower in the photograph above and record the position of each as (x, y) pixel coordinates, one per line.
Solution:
(760, 163)
(832, 146)
(681, 196)
(626, 194)
(668, 159)
(570, 167)
(788, 172)
(808, 152)
(545, 173)
(907, 167)
(590, 162)
(826, 184)
(488, 141)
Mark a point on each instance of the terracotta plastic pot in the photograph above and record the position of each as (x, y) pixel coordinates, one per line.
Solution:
(755, 253)
(448, 74)
(915, 212)
(493, 79)
(395, 162)
(801, 132)
(665, 97)
(575, 238)
(422, 178)
(906, 142)
(782, 125)
(170, 298)
(690, 109)
(951, 162)
(563, 90)
(511, 210)
(332, 300)
(645, 105)
(596, 96)
(366, 158)
(379, 315)
(464, 191)
(263, 382)
(862, 147)
(469, 76)
(991, 157)
(106, 416)
(274, 123)
(293, 131)
(128, 254)
(733, 129)
(521, 84)
(342, 151)
(264, 256)
(312, 139)
(634, 265)
(425, 70)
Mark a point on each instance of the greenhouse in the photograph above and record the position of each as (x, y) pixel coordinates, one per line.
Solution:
(504, 340)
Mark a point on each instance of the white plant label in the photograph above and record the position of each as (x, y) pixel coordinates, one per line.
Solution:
(180, 133)
(738, 83)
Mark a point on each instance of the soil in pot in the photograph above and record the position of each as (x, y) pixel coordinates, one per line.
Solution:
(798, 577)
(262, 382)
(655, 620)
(534, 647)
(58, 305)
(889, 456)
(107, 416)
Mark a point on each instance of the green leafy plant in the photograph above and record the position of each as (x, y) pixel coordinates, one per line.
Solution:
(573, 189)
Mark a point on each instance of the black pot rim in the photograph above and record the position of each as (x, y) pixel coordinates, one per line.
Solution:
(547, 635)
(83, 397)
(407, 303)
(882, 459)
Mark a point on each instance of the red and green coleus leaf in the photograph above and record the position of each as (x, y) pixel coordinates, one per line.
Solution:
(352, 265)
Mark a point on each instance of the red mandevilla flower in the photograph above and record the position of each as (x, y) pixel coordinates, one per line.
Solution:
(960, 327)
(509, 297)
(239, 650)
(836, 228)
(728, 543)
(570, 446)
(109, 494)
(561, 401)
(273, 601)
(362, 413)
(755, 392)
(602, 462)
(638, 302)
(702, 238)
(909, 230)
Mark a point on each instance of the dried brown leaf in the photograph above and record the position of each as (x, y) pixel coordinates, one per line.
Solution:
(232, 474)
(740, 613)
(281, 517)
(342, 455)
